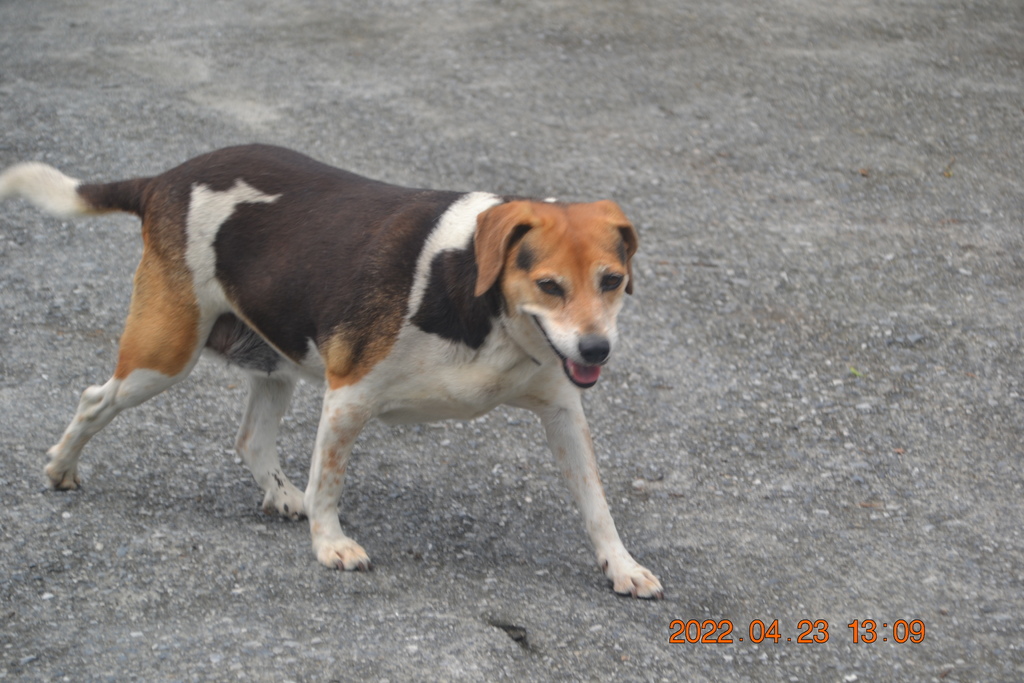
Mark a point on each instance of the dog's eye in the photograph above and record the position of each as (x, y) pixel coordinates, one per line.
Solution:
(611, 282)
(550, 287)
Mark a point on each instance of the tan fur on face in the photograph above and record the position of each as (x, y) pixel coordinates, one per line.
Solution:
(572, 244)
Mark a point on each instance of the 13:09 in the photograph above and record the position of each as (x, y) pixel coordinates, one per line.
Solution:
(866, 631)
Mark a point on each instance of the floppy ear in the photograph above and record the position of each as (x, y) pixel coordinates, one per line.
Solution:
(630, 240)
(496, 228)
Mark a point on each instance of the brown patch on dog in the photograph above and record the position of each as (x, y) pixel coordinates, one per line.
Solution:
(495, 229)
(345, 366)
(162, 329)
(598, 217)
(337, 353)
(342, 367)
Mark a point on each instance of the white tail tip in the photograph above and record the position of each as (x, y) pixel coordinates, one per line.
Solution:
(44, 186)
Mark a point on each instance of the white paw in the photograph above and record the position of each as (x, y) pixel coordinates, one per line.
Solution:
(285, 500)
(63, 478)
(342, 553)
(630, 578)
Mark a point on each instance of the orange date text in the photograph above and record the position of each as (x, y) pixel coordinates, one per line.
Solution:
(806, 631)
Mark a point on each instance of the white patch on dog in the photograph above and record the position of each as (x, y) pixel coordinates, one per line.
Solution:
(454, 229)
(44, 186)
(427, 378)
(207, 211)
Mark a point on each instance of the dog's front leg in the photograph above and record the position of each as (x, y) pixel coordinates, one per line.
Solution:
(569, 438)
(341, 421)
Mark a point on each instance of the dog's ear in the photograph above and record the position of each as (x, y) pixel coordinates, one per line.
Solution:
(630, 239)
(632, 242)
(497, 229)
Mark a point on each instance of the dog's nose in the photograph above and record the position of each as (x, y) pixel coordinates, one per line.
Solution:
(594, 348)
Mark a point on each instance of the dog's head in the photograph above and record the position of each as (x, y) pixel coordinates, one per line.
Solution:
(563, 269)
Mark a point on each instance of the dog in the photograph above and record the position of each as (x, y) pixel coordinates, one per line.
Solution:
(414, 305)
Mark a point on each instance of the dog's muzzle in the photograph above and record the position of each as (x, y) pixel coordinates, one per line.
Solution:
(594, 350)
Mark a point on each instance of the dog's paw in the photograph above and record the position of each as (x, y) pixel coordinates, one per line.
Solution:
(63, 479)
(286, 501)
(342, 553)
(630, 578)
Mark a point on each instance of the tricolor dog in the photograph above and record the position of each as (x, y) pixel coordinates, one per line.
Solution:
(414, 305)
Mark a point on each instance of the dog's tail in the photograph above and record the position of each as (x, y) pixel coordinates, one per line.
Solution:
(63, 196)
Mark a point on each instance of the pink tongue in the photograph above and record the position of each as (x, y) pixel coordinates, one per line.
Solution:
(583, 374)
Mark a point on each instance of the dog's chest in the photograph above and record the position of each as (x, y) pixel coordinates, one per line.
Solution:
(429, 378)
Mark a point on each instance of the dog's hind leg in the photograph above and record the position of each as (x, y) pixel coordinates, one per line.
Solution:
(269, 396)
(159, 347)
(271, 383)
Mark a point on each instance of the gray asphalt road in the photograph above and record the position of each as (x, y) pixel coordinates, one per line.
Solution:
(816, 413)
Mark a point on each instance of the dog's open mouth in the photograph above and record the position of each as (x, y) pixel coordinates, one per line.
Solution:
(583, 376)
